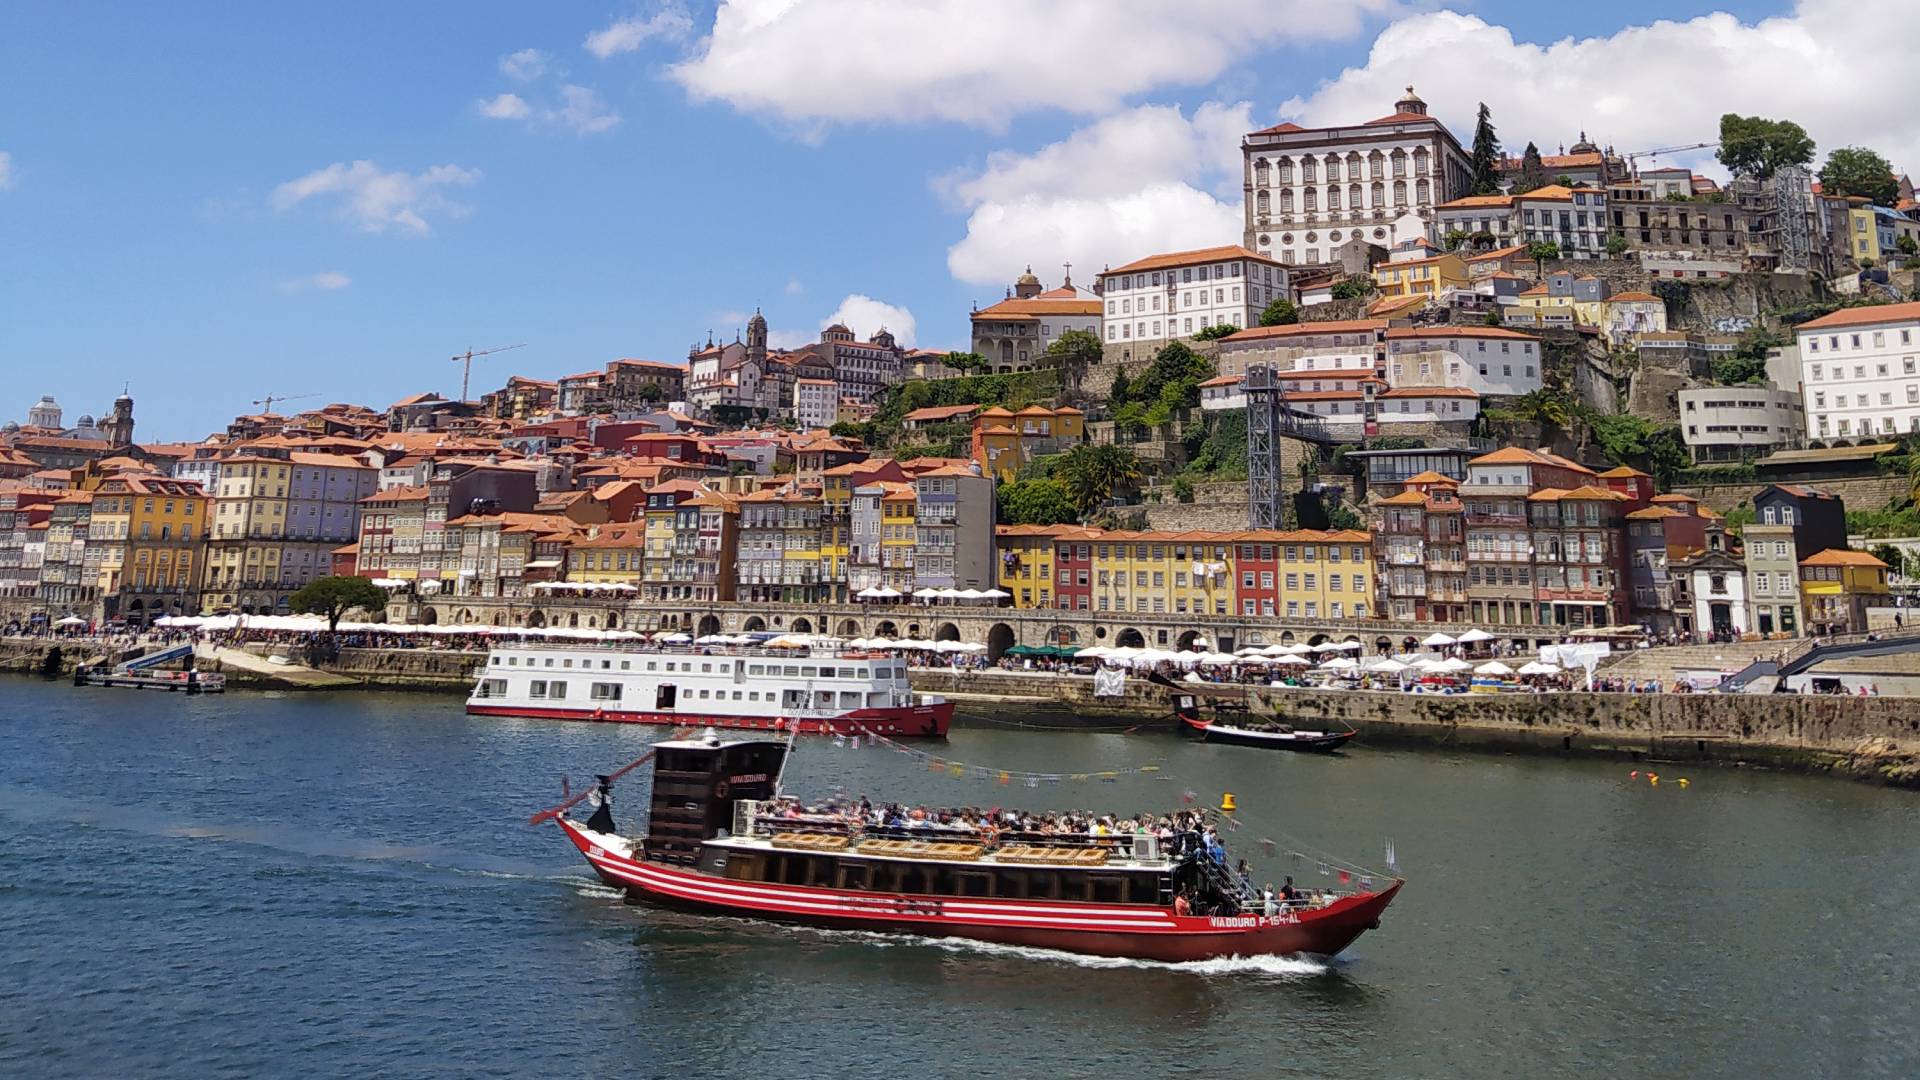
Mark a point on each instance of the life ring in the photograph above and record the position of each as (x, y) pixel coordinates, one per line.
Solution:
(720, 790)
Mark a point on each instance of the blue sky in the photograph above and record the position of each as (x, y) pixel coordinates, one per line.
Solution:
(180, 208)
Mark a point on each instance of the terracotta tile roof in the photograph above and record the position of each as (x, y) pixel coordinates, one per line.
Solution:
(1473, 201)
(1865, 316)
(1224, 380)
(1639, 296)
(1429, 392)
(1034, 307)
(1406, 498)
(1842, 557)
(1401, 118)
(1189, 258)
(1309, 329)
(1404, 332)
(1498, 253)
(1430, 477)
(1557, 193)
(939, 412)
(1653, 513)
(1675, 497)
(1280, 129)
(1621, 472)
(398, 494)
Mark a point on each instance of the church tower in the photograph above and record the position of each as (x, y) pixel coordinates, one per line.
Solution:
(757, 336)
(45, 414)
(118, 428)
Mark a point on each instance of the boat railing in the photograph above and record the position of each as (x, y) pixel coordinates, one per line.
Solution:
(751, 821)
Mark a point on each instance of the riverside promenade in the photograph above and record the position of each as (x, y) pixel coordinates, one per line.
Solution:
(1868, 738)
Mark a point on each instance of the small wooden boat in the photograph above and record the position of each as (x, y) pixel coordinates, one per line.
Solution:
(1221, 714)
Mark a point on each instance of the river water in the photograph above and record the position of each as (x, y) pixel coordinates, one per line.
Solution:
(346, 885)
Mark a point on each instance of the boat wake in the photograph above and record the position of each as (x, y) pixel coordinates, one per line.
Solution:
(1283, 967)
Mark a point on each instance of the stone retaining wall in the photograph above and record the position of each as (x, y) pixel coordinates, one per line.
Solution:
(1859, 493)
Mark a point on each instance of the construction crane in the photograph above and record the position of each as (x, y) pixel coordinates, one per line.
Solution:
(266, 403)
(1633, 159)
(466, 360)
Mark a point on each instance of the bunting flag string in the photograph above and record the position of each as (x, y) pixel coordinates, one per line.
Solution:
(967, 770)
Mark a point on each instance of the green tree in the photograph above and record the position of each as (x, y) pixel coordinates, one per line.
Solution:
(1131, 417)
(1616, 246)
(1453, 239)
(1175, 365)
(1215, 332)
(967, 361)
(1076, 347)
(1533, 171)
(650, 392)
(1543, 251)
(1121, 388)
(1563, 180)
(1906, 245)
(335, 596)
(1281, 312)
(1035, 502)
(1356, 287)
(1093, 474)
(1856, 170)
(1341, 516)
(1667, 455)
(1486, 154)
(1755, 147)
(1182, 489)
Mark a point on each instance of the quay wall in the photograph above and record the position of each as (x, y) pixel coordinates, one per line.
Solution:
(1876, 738)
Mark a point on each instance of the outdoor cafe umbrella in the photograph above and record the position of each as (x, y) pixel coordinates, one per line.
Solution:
(1437, 639)
(1340, 663)
(1493, 667)
(1539, 667)
(1474, 635)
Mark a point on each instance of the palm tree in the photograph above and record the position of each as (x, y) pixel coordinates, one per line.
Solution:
(1094, 473)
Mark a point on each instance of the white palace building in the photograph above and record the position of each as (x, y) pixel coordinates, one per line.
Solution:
(1311, 190)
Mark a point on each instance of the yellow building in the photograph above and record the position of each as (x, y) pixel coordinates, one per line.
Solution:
(897, 505)
(1837, 586)
(609, 555)
(146, 532)
(1026, 561)
(1428, 277)
(1003, 441)
(245, 562)
(1163, 573)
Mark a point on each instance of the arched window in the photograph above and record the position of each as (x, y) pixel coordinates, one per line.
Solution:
(1354, 201)
(1420, 191)
(1260, 202)
(1286, 200)
(1307, 170)
(1353, 165)
(1420, 161)
(1284, 174)
(1260, 172)
(1378, 195)
(1377, 165)
(1399, 193)
(1333, 167)
(1309, 195)
(1333, 198)
(1399, 163)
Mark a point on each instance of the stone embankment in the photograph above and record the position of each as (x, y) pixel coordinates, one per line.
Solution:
(1875, 739)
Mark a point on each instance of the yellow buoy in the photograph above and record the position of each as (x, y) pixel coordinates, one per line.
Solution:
(1683, 781)
(1227, 805)
(1654, 779)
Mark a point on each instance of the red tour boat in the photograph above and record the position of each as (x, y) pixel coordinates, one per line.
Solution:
(716, 841)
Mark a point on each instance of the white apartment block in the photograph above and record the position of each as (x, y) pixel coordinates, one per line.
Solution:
(1860, 372)
(1734, 423)
(1309, 190)
(1485, 359)
(1573, 218)
(1166, 297)
(816, 403)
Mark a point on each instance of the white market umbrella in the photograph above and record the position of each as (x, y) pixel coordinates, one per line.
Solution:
(926, 593)
(867, 594)
(1288, 661)
(1493, 667)
(678, 639)
(1340, 663)
(859, 643)
(1218, 659)
(1349, 646)
(1093, 652)
(970, 594)
(1437, 639)
(713, 639)
(1539, 667)
(1474, 635)
(1386, 665)
(1452, 664)
(75, 620)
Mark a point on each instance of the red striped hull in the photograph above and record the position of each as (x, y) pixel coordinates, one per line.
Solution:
(1132, 931)
(917, 721)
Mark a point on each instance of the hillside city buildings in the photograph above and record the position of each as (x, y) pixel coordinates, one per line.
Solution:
(1426, 317)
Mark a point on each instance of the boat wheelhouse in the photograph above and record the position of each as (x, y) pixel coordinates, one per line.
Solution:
(817, 690)
(715, 843)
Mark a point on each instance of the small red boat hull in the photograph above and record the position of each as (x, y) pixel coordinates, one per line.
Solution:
(1132, 931)
(914, 721)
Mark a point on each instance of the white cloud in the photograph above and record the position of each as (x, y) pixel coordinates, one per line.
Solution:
(670, 23)
(377, 201)
(505, 107)
(865, 316)
(525, 65)
(1662, 84)
(794, 288)
(1136, 183)
(325, 281)
(6, 170)
(981, 62)
(581, 110)
(791, 339)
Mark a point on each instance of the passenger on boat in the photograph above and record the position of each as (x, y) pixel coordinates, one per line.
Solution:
(1288, 892)
(601, 799)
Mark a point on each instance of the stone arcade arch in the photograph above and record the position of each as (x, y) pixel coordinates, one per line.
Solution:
(1186, 639)
(1383, 645)
(1317, 639)
(1130, 638)
(999, 640)
(536, 619)
(754, 625)
(802, 625)
(849, 628)
(428, 616)
(886, 629)
(947, 632)
(709, 624)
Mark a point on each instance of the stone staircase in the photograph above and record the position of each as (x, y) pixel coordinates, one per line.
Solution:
(1665, 663)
